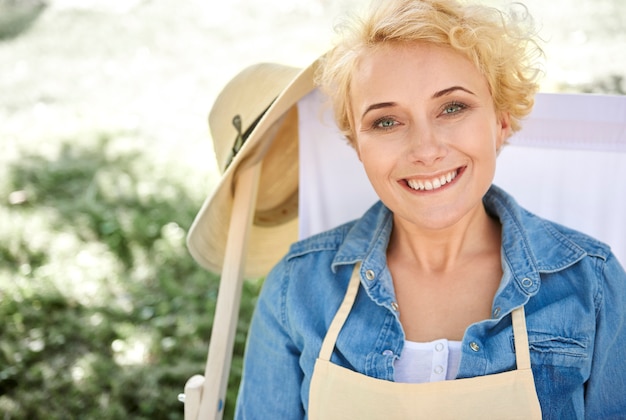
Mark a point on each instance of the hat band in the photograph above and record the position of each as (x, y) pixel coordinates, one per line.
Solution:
(242, 137)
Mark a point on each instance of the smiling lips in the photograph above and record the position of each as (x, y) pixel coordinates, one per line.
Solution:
(433, 183)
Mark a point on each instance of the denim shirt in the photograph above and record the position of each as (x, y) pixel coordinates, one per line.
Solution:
(572, 287)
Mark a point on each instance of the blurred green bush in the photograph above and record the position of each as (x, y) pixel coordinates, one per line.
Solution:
(104, 314)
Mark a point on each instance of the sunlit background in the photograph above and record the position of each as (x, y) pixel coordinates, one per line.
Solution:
(105, 157)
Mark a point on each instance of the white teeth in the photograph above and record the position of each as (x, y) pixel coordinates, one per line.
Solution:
(432, 184)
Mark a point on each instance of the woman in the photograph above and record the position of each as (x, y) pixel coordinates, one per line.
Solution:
(446, 299)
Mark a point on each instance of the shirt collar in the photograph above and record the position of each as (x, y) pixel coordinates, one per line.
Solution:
(529, 242)
(367, 239)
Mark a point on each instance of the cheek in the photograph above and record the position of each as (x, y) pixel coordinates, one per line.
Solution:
(364, 148)
(488, 140)
(368, 156)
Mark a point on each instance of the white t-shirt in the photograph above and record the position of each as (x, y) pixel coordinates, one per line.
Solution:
(428, 362)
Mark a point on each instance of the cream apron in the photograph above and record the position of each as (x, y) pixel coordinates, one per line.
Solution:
(339, 393)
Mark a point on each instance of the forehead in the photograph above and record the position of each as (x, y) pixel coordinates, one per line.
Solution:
(424, 66)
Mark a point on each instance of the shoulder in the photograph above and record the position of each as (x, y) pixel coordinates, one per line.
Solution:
(307, 266)
(590, 245)
(328, 241)
(304, 289)
(348, 242)
(321, 263)
(552, 245)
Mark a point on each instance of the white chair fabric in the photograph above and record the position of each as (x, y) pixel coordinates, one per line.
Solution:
(567, 164)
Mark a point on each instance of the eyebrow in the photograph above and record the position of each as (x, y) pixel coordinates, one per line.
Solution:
(450, 90)
(378, 106)
(438, 94)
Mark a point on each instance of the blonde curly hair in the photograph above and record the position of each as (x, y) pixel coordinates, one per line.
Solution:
(503, 46)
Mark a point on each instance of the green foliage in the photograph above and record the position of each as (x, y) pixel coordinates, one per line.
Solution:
(104, 314)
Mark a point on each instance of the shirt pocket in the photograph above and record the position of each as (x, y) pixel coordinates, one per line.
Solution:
(558, 350)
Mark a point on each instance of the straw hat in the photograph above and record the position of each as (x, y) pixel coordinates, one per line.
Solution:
(258, 107)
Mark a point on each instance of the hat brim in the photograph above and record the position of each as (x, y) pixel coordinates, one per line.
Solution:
(208, 234)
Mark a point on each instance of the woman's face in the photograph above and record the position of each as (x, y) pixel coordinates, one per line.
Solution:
(426, 132)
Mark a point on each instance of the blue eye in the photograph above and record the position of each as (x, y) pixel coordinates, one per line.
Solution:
(384, 123)
(453, 108)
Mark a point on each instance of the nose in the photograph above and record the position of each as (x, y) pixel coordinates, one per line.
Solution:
(424, 146)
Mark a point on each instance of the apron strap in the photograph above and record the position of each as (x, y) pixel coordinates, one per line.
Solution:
(342, 314)
(520, 335)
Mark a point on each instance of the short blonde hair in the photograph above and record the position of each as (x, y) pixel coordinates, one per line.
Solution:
(501, 45)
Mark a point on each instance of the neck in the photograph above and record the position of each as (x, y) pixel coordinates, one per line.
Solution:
(440, 251)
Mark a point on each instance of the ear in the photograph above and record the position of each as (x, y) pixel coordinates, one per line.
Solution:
(504, 129)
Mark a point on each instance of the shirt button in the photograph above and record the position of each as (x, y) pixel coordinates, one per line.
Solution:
(474, 346)
(369, 274)
(496, 312)
(526, 282)
(439, 347)
(438, 370)
(394, 306)
(387, 353)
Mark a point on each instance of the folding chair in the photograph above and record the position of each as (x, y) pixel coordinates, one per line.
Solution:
(568, 164)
